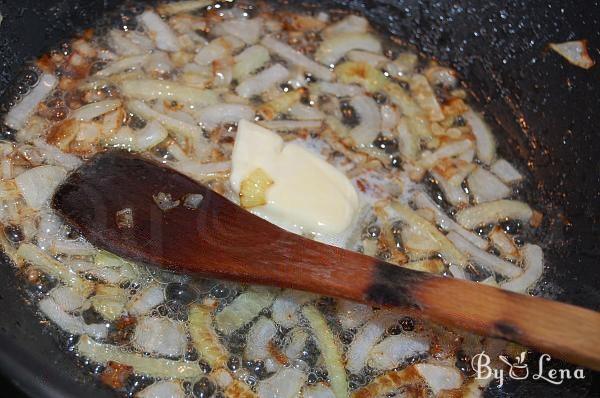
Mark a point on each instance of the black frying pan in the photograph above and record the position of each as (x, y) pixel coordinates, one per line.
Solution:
(547, 110)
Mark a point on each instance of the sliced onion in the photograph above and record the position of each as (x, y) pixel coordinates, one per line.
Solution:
(333, 48)
(338, 89)
(417, 243)
(38, 184)
(212, 116)
(494, 212)
(485, 141)
(126, 273)
(54, 156)
(177, 7)
(201, 171)
(429, 160)
(402, 66)
(352, 314)
(389, 118)
(161, 336)
(285, 383)
(164, 38)
(409, 143)
(109, 301)
(169, 91)
(218, 49)
(422, 201)
(486, 187)
(434, 266)
(119, 42)
(73, 247)
(503, 243)
(363, 74)
(365, 339)
(350, 24)
(533, 259)
(438, 75)
(394, 350)
(297, 58)
(69, 323)
(467, 155)
(18, 114)
(153, 367)
(67, 298)
(506, 172)
(158, 63)
(162, 389)
(305, 112)
(453, 193)
(179, 127)
(223, 74)
(286, 306)
(95, 109)
(446, 249)
(457, 272)
(391, 382)
(330, 351)
(249, 61)
(222, 377)
(151, 135)
(373, 59)
(247, 30)
(205, 339)
(575, 52)
(440, 377)
(370, 121)
(484, 259)
(243, 309)
(262, 81)
(122, 65)
(296, 344)
(288, 125)
(425, 97)
(258, 339)
(147, 299)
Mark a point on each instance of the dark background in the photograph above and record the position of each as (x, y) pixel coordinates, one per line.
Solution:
(8, 389)
(546, 111)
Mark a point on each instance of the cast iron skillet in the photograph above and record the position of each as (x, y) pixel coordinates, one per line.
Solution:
(547, 110)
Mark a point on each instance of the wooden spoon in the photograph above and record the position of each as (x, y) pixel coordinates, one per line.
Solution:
(221, 240)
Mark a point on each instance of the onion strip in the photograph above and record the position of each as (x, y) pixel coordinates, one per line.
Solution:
(18, 114)
(169, 91)
(494, 212)
(154, 367)
(330, 350)
(295, 57)
(332, 49)
(204, 337)
(533, 258)
(38, 259)
(182, 6)
(179, 127)
(446, 249)
(484, 259)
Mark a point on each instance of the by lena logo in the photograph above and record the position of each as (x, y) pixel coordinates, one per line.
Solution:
(519, 370)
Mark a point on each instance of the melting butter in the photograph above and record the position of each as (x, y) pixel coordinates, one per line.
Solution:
(307, 194)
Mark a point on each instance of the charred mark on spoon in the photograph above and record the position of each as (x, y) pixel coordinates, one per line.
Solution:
(506, 330)
(393, 285)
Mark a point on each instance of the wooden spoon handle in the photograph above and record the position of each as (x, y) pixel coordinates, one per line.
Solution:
(219, 239)
(562, 330)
